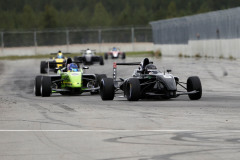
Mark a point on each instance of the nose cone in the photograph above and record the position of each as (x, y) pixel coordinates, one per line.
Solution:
(169, 82)
(76, 79)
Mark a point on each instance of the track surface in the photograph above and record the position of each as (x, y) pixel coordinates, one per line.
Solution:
(85, 127)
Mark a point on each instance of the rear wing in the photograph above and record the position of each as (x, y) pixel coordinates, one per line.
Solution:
(94, 50)
(62, 53)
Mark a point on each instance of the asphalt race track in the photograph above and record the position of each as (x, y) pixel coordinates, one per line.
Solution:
(85, 127)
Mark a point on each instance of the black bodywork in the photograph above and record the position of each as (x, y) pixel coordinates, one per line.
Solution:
(47, 66)
(153, 85)
(89, 58)
(145, 83)
(54, 64)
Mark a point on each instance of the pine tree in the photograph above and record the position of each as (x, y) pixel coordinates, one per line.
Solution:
(28, 18)
(125, 17)
(141, 16)
(49, 17)
(100, 16)
(172, 10)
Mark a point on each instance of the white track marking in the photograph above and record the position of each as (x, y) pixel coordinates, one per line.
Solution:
(120, 131)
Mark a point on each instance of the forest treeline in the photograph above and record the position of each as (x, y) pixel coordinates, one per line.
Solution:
(45, 14)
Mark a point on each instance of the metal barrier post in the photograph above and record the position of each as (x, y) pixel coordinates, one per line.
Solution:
(132, 31)
(2, 39)
(100, 39)
(35, 41)
(99, 36)
(67, 39)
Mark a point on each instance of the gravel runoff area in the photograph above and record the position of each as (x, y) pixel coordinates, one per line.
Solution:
(85, 127)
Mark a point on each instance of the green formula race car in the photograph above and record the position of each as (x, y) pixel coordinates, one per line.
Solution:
(69, 80)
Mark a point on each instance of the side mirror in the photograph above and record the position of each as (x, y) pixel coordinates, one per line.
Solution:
(85, 67)
(169, 70)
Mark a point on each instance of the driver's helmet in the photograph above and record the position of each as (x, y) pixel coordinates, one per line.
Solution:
(88, 51)
(59, 54)
(72, 67)
(114, 49)
(150, 68)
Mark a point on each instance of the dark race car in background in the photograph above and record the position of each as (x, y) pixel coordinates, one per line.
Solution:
(115, 53)
(89, 57)
(147, 82)
(54, 64)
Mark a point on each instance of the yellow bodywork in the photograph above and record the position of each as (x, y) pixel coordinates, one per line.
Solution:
(59, 60)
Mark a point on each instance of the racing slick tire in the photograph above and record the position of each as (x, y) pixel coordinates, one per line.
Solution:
(105, 56)
(101, 62)
(43, 66)
(46, 89)
(133, 89)
(37, 86)
(194, 83)
(123, 55)
(107, 89)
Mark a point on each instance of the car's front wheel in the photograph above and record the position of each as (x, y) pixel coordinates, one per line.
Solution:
(194, 84)
(107, 90)
(101, 60)
(133, 89)
(123, 55)
(46, 88)
(43, 66)
(37, 86)
(106, 55)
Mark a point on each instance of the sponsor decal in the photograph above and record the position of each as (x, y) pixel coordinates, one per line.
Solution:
(75, 74)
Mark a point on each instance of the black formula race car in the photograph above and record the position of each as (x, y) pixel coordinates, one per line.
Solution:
(89, 58)
(54, 64)
(147, 81)
(115, 53)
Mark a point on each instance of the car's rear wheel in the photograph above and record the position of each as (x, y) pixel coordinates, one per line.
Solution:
(37, 86)
(101, 60)
(46, 89)
(123, 55)
(107, 89)
(194, 84)
(105, 56)
(43, 66)
(133, 89)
